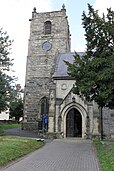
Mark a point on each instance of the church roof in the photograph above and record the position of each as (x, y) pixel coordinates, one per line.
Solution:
(61, 67)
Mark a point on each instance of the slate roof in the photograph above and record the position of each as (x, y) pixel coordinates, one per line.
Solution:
(61, 67)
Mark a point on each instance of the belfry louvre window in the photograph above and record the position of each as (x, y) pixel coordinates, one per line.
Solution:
(47, 27)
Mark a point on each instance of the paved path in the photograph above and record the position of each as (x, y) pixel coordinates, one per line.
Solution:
(60, 155)
(20, 132)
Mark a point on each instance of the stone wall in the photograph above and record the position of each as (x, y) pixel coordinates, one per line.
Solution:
(108, 123)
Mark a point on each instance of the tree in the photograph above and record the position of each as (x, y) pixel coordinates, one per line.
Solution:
(6, 86)
(16, 108)
(6, 91)
(5, 47)
(16, 104)
(94, 72)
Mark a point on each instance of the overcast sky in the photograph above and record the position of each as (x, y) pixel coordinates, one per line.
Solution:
(15, 15)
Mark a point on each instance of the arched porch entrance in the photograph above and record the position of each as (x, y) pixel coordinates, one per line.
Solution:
(74, 123)
(65, 113)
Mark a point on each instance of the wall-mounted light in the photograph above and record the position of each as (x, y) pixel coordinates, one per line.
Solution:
(73, 99)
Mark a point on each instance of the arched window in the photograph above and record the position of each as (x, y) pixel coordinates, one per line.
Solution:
(44, 113)
(47, 27)
(44, 106)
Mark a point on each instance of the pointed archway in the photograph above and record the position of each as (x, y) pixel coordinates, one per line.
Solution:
(74, 123)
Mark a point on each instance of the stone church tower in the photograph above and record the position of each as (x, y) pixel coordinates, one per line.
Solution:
(49, 104)
(49, 33)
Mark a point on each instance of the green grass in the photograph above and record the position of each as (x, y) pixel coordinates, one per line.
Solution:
(9, 126)
(4, 126)
(12, 148)
(105, 153)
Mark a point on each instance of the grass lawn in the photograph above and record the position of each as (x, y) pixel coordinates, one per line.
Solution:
(105, 153)
(7, 126)
(12, 148)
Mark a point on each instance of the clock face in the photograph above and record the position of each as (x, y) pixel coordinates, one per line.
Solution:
(46, 46)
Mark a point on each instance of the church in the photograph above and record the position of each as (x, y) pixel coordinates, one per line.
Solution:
(50, 106)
